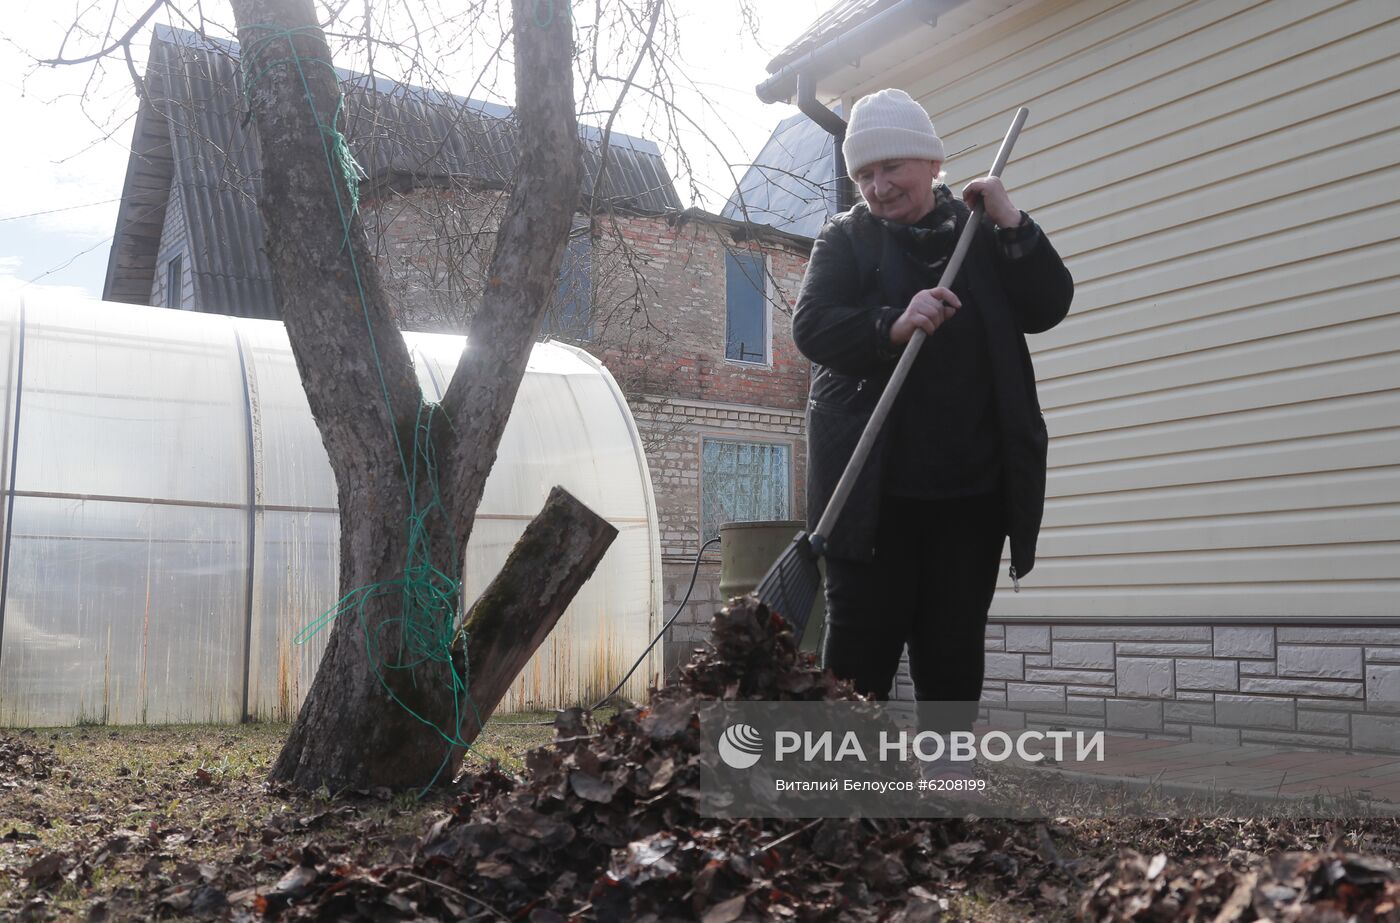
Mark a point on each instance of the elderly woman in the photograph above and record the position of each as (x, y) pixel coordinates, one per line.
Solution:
(960, 463)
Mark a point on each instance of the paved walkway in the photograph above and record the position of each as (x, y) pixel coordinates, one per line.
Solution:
(1252, 770)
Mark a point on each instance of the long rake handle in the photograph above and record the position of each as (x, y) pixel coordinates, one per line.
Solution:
(911, 351)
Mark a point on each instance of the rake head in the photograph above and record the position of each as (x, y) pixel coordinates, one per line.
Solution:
(791, 584)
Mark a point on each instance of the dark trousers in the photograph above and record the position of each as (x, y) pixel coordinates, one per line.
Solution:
(929, 587)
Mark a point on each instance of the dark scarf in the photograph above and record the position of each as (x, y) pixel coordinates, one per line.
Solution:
(930, 242)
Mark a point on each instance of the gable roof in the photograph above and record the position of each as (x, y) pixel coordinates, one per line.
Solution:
(791, 185)
(191, 134)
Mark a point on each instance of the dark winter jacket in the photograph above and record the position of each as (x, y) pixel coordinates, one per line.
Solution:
(859, 280)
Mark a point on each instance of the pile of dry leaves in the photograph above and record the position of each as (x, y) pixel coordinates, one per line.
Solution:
(21, 763)
(605, 825)
(1293, 887)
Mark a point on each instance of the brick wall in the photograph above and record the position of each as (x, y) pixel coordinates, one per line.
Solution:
(431, 244)
(692, 627)
(666, 337)
(673, 455)
(672, 365)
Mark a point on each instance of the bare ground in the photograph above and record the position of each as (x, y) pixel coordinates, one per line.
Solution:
(127, 816)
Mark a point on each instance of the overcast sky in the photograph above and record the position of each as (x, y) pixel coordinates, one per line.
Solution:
(68, 131)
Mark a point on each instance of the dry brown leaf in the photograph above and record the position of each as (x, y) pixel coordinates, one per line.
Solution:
(725, 911)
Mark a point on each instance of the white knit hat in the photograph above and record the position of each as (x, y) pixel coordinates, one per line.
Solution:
(886, 126)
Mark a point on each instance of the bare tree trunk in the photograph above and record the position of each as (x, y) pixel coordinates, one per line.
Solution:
(365, 723)
(529, 245)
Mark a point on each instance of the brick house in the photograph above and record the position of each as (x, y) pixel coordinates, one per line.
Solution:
(689, 311)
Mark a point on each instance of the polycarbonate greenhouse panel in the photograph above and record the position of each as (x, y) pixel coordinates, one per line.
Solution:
(123, 613)
(429, 378)
(9, 356)
(291, 462)
(294, 579)
(590, 649)
(569, 427)
(115, 399)
(155, 576)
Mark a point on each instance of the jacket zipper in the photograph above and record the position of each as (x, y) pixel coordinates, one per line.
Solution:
(1015, 581)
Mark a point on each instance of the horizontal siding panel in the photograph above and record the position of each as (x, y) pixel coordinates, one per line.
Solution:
(1361, 151)
(1290, 386)
(1229, 324)
(1123, 152)
(1308, 564)
(1304, 527)
(1229, 57)
(1354, 450)
(1313, 490)
(1332, 274)
(1373, 599)
(1224, 398)
(1245, 67)
(1282, 208)
(1296, 421)
(1024, 41)
(1062, 58)
(1360, 226)
(1206, 363)
(1120, 210)
(1258, 101)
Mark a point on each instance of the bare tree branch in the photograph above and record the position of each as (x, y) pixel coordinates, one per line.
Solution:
(529, 245)
(621, 95)
(123, 41)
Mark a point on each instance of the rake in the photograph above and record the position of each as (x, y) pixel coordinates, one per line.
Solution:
(791, 583)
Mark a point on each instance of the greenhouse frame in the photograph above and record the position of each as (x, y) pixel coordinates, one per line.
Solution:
(170, 521)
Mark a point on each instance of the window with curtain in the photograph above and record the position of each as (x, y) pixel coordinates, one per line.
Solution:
(746, 327)
(743, 482)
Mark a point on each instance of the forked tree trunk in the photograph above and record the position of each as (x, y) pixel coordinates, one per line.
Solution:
(340, 746)
(364, 724)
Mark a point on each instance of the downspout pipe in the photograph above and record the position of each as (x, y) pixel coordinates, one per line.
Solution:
(836, 127)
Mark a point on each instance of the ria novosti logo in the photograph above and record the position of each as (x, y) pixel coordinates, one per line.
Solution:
(740, 746)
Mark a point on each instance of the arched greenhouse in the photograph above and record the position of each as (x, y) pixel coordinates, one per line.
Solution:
(170, 523)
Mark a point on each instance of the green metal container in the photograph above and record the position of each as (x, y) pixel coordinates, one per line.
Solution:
(748, 549)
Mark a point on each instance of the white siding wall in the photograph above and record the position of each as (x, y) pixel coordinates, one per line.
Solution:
(1223, 179)
(174, 241)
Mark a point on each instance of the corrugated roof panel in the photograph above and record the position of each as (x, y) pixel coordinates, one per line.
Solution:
(791, 185)
(392, 129)
(215, 168)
